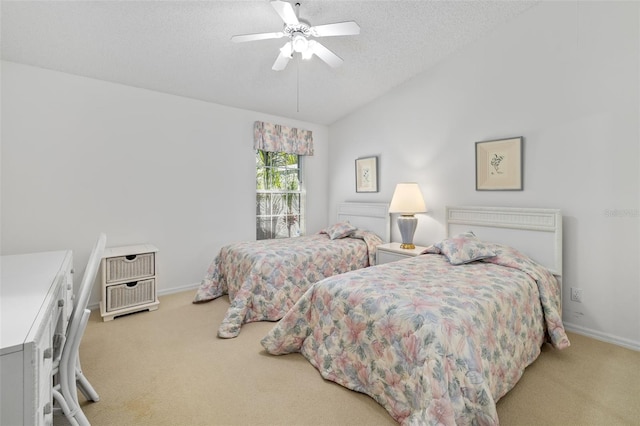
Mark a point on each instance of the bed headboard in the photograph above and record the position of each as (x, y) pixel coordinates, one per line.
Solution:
(373, 217)
(535, 232)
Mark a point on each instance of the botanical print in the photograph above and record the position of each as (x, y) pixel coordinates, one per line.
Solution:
(499, 165)
(366, 174)
(497, 161)
(365, 182)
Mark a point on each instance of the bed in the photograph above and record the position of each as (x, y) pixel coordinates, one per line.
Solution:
(265, 278)
(439, 338)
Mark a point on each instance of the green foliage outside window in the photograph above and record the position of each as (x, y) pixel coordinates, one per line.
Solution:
(278, 195)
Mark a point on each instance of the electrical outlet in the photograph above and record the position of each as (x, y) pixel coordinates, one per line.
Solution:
(576, 294)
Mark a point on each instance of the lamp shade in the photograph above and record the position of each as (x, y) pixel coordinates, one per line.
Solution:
(407, 199)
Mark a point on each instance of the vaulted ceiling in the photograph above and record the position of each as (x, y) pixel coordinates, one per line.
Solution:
(184, 48)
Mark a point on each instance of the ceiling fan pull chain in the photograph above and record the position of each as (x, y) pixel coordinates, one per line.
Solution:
(297, 83)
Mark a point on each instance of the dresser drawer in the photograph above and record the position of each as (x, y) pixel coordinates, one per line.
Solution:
(62, 308)
(68, 289)
(130, 267)
(64, 300)
(130, 294)
(44, 352)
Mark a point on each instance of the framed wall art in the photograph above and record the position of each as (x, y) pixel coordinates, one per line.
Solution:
(499, 165)
(367, 174)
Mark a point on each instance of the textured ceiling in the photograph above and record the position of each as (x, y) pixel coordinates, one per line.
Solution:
(184, 48)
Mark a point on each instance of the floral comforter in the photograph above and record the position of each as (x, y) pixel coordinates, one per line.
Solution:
(431, 342)
(265, 278)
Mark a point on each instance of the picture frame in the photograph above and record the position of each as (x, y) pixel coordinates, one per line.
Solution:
(499, 165)
(367, 174)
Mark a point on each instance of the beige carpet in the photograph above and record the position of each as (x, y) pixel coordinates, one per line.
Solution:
(167, 367)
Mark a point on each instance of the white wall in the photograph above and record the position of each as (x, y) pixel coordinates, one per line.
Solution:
(565, 76)
(80, 156)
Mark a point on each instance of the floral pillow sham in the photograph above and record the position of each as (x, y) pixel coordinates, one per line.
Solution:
(339, 230)
(464, 248)
(432, 249)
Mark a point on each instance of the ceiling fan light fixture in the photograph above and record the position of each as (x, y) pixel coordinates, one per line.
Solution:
(307, 54)
(299, 43)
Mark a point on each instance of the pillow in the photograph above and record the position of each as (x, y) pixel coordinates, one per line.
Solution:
(508, 256)
(431, 250)
(464, 248)
(340, 230)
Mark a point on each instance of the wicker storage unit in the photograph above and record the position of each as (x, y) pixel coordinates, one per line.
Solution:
(129, 280)
(130, 267)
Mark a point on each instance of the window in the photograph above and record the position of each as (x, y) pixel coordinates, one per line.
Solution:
(279, 195)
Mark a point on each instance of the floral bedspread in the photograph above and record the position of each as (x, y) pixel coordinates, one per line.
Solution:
(431, 342)
(265, 278)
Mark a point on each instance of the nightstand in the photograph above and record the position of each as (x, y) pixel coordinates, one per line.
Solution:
(129, 280)
(391, 252)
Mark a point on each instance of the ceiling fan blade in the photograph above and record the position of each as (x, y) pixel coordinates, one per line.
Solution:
(252, 37)
(283, 58)
(337, 29)
(286, 12)
(325, 54)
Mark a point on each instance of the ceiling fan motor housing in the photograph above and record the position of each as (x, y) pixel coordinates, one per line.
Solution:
(301, 28)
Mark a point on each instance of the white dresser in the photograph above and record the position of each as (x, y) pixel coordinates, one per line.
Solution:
(36, 294)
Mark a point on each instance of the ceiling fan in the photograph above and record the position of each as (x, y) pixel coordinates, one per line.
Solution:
(298, 33)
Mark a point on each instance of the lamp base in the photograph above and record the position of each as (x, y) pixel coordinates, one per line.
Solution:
(407, 225)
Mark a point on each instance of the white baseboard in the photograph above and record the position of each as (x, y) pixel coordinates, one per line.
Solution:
(172, 290)
(605, 337)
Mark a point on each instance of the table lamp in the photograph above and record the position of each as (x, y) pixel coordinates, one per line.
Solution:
(407, 200)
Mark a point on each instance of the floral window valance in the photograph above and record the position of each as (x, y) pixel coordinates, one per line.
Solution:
(277, 138)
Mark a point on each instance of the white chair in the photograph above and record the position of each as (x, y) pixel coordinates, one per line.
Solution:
(68, 376)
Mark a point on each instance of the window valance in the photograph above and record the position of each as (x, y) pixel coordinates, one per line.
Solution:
(277, 138)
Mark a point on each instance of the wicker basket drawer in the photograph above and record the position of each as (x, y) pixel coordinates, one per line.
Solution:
(133, 293)
(130, 267)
